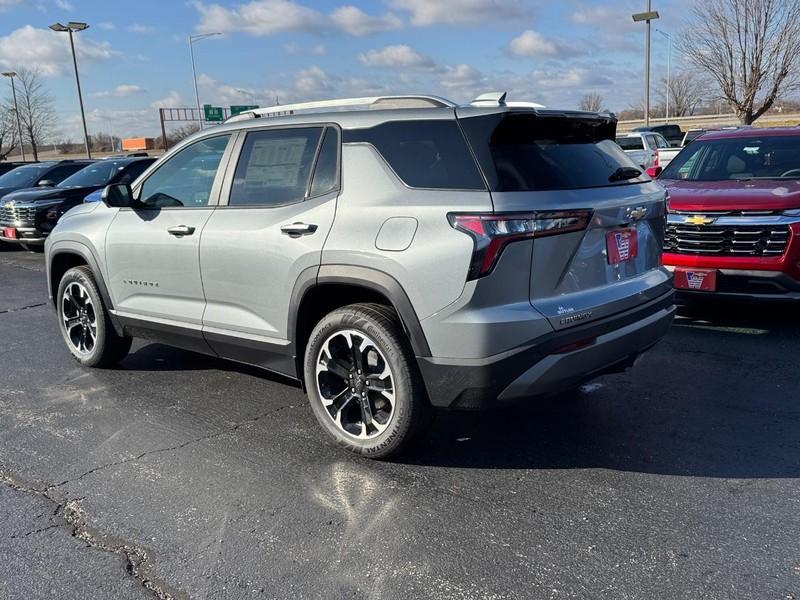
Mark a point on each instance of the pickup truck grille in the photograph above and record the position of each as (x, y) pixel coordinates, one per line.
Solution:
(17, 216)
(727, 240)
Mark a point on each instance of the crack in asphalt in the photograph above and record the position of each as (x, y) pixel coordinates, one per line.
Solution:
(69, 513)
(211, 436)
(11, 310)
(138, 561)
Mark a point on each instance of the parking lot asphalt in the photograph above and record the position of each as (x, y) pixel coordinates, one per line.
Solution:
(179, 475)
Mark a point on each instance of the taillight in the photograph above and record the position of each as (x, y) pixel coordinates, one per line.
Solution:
(493, 232)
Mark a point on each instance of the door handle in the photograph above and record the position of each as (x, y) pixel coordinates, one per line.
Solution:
(298, 229)
(180, 230)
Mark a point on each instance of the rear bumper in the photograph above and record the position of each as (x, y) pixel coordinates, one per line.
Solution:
(559, 361)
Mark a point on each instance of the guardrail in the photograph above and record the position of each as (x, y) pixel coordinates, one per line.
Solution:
(704, 121)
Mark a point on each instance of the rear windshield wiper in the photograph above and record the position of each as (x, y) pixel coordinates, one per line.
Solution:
(624, 173)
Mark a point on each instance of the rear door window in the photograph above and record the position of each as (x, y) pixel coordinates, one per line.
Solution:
(326, 172)
(630, 143)
(424, 154)
(531, 152)
(275, 167)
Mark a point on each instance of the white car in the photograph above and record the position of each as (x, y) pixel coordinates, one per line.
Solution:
(643, 147)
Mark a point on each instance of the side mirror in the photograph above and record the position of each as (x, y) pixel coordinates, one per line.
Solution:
(118, 195)
(654, 172)
(46, 183)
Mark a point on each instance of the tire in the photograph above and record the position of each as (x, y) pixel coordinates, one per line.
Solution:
(37, 248)
(91, 338)
(398, 405)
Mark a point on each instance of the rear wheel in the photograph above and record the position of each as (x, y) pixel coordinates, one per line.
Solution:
(363, 382)
(84, 321)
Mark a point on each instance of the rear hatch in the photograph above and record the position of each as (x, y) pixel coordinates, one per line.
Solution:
(602, 219)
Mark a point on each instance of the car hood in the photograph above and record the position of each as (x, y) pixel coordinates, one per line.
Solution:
(732, 195)
(29, 195)
(7, 190)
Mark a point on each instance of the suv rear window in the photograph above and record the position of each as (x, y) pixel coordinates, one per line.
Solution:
(424, 154)
(630, 143)
(551, 152)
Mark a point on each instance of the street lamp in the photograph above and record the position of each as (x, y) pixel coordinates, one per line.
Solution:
(11, 75)
(649, 15)
(70, 28)
(669, 71)
(192, 40)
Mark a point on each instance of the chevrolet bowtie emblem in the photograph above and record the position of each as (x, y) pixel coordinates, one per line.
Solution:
(699, 220)
(9, 205)
(637, 214)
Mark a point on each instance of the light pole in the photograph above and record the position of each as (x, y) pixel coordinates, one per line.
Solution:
(70, 28)
(649, 15)
(192, 40)
(11, 75)
(669, 71)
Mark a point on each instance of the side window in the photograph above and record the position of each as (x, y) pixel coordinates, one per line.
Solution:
(651, 142)
(59, 174)
(134, 170)
(661, 142)
(185, 180)
(326, 173)
(424, 154)
(274, 167)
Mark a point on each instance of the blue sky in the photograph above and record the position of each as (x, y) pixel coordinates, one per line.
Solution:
(135, 55)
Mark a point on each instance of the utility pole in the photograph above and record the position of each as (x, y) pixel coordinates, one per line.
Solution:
(11, 75)
(647, 16)
(192, 40)
(71, 27)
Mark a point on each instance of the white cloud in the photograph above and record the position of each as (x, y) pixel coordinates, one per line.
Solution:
(355, 21)
(221, 93)
(64, 5)
(462, 77)
(48, 51)
(605, 18)
(267, 17)
(396, 56)
(259, 17)
(120, 91)
(141, 29)
(106, 26)
(5, 4)
(171, 100)
(297, 49)
(532, 43)
(461, 12)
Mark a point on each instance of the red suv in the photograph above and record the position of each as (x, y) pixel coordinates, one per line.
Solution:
(733, 223)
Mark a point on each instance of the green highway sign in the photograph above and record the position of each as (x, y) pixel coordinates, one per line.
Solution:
(238, 109)
(213, 113)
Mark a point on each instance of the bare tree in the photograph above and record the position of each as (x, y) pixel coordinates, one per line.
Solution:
(592, 102)
(750, 48)
(8, 129)
(36, 109)
(687, 91)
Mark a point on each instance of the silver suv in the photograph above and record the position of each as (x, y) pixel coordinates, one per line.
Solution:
(418, 254)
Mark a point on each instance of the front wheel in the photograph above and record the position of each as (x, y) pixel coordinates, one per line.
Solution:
(84, 321)
(363, 382)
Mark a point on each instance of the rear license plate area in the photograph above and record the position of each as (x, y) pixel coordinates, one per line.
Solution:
(621, 245)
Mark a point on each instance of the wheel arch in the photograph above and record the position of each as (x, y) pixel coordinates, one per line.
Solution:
(68, 254)
(332, 286)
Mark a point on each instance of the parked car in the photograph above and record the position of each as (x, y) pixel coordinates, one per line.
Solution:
(28, 216)
(6, 166)
(734, 215)
(672, 133)
(43, 174)
(643, 149)
(425, 254)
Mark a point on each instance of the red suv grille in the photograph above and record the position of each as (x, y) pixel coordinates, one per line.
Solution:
(727, 240)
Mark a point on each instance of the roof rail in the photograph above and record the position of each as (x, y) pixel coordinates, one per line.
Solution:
(372, 102)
